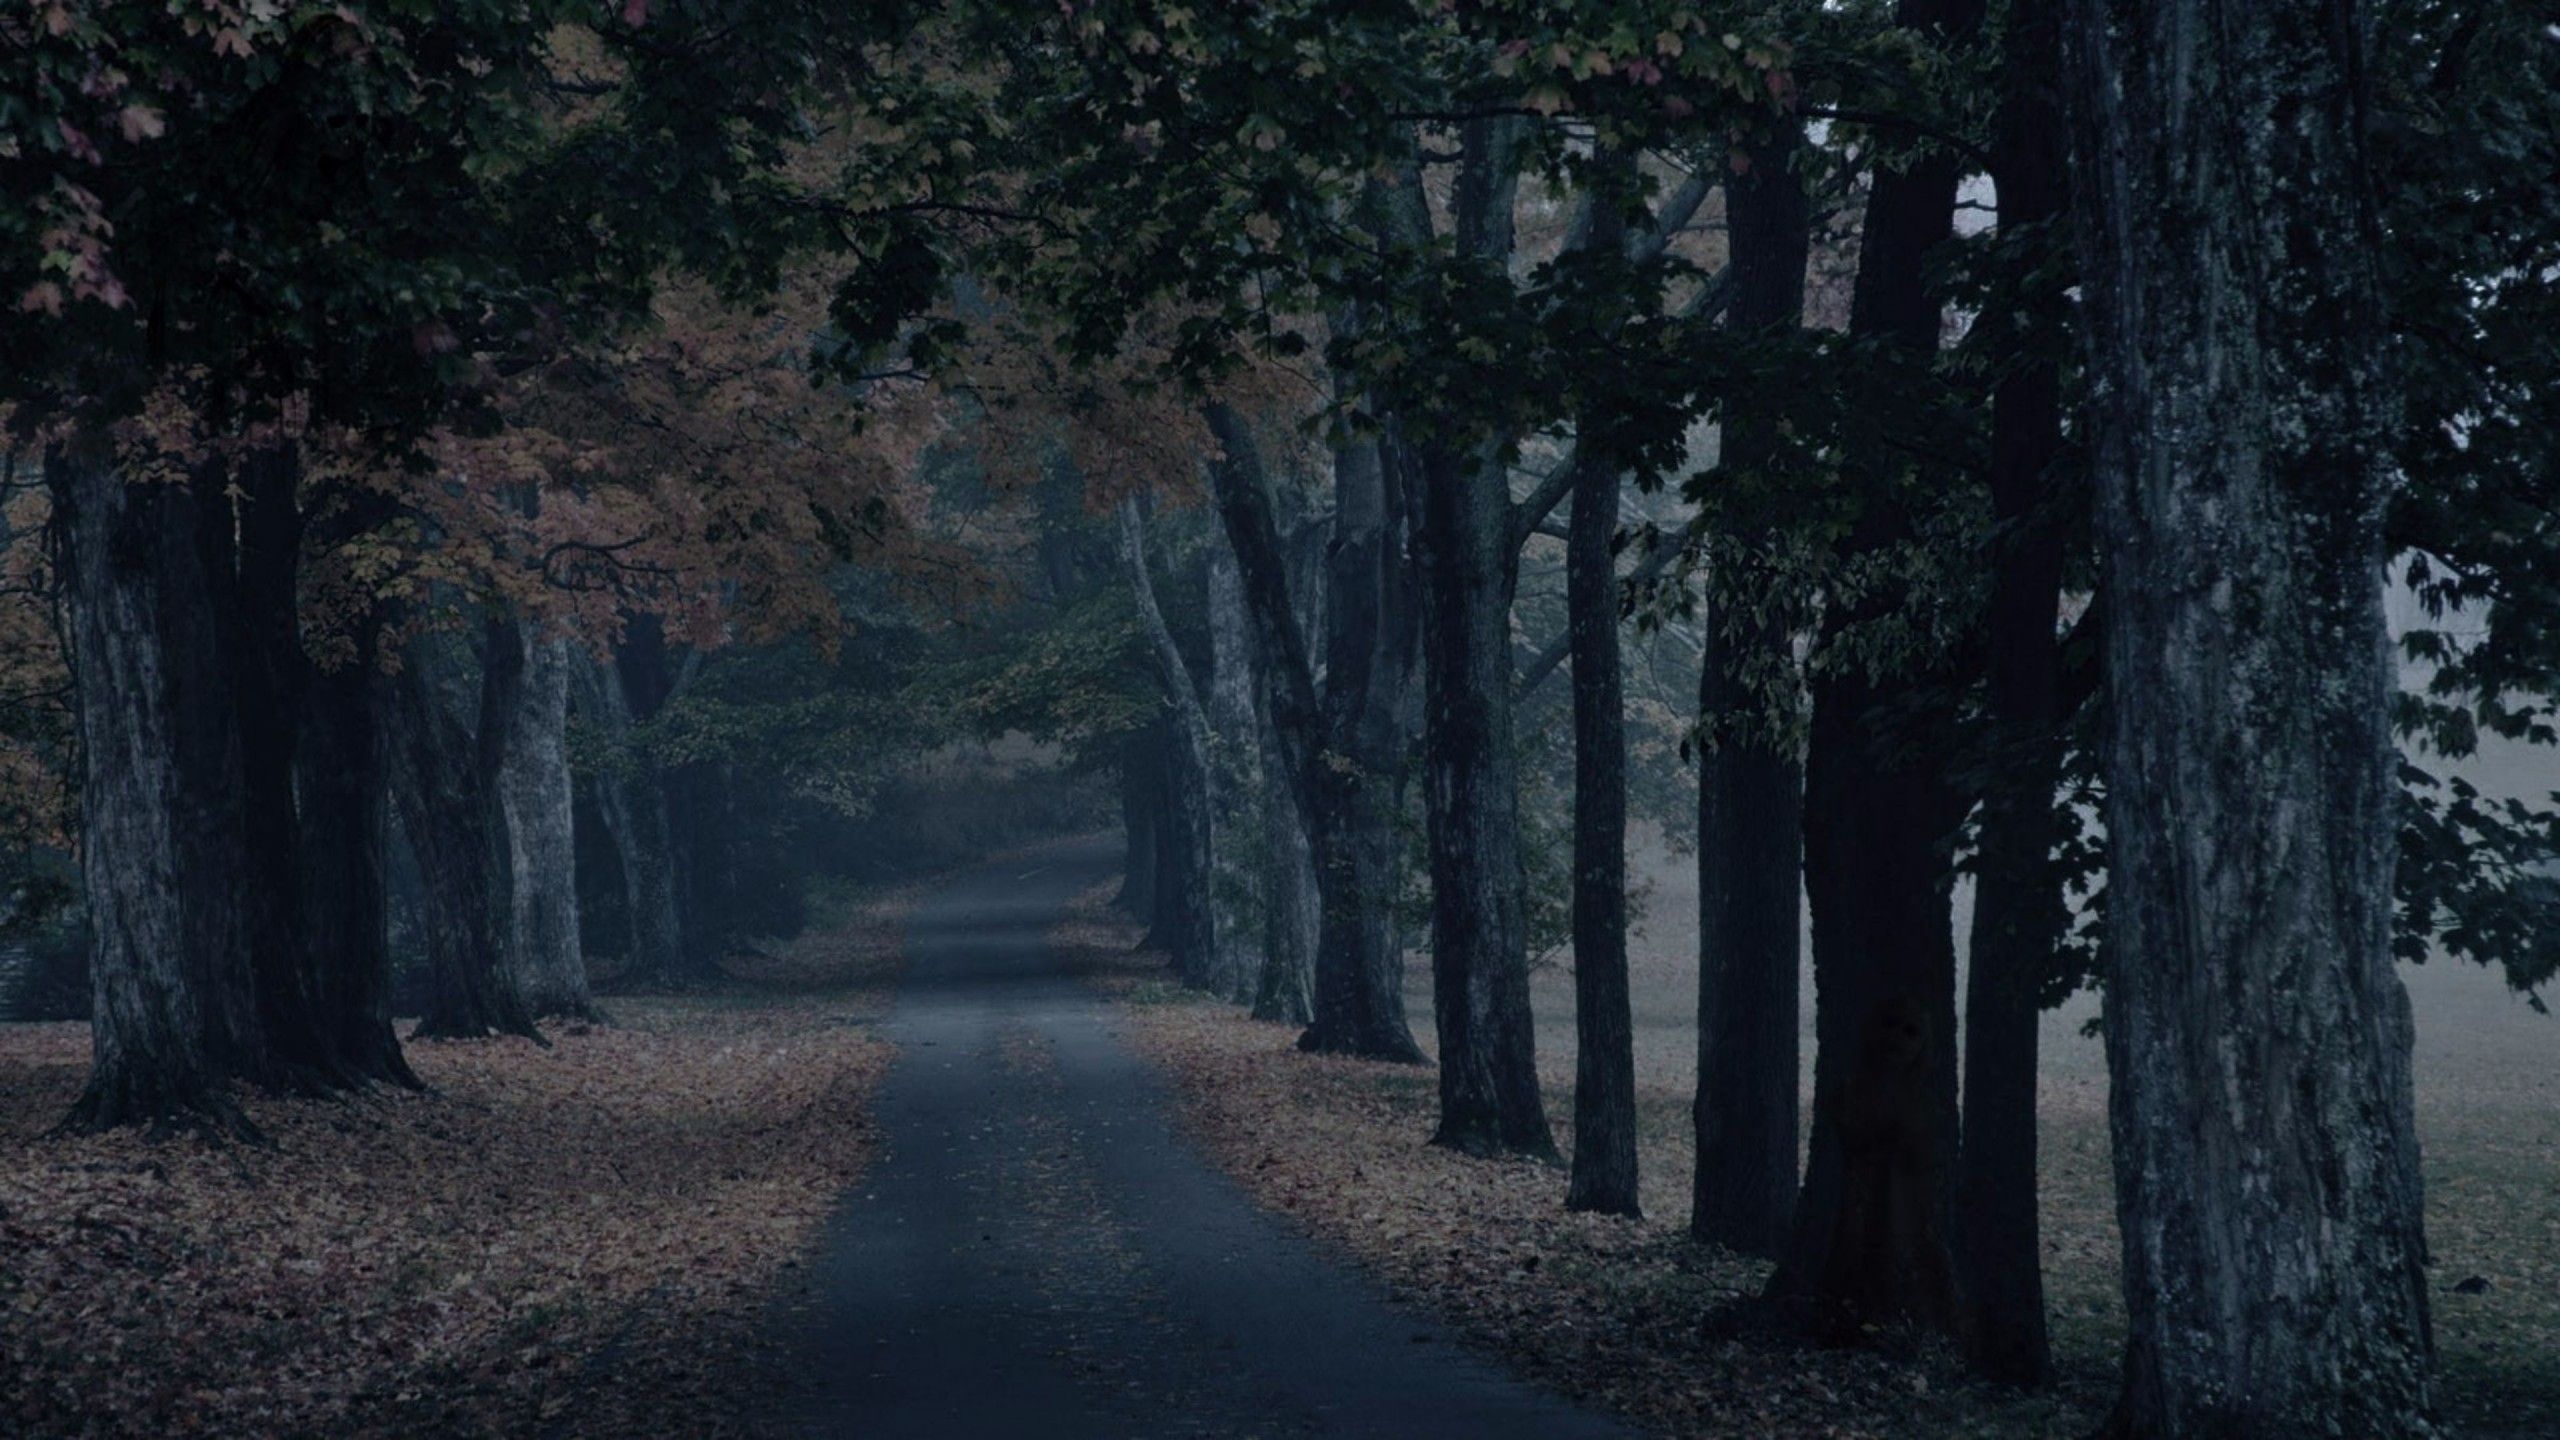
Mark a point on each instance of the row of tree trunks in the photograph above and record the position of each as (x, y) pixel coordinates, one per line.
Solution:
(1880, 822)
(2258, 1039)
(1750, 786)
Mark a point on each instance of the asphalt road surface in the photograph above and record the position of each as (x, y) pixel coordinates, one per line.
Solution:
(1038, 1253)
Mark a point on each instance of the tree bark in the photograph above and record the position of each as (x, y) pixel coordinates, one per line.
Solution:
(1193, 937)
(1353, 783)
(342, 780)
(632, 799)
(1140, 778)
(2018, 913)
(252, 551)
(153, 1057)
(443, 781)
(1880, 811)
(2258, 1040)
(1604, 1076)
(1489, 1100)
(538, 802)
(1293, 907)
(1239, 898)
(1328, 799)
(1750, 785)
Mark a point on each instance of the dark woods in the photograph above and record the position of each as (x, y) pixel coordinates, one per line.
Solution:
(1946, 453)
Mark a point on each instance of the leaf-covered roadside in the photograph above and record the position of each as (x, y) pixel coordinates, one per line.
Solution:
(1632, 1316)
(576, 1241)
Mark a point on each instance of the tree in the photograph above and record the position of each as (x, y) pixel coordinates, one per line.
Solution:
(1604, 1082)
(445, 783)
(2019, 915)
(1750, 784)
(2257, 1038)
(1195, 936)
(1340, 754)
(1881, 811)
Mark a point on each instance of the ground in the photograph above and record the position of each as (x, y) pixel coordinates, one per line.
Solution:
(1626, 1314)
(582, 1240)
(1038, 1252)
(795, 1207)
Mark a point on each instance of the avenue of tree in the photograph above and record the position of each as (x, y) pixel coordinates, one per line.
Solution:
(481, 475)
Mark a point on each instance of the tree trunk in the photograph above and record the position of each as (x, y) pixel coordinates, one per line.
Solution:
(1140, 778)
(154, 1057)
(1356, 791)
(251, 550)
(1293, 907)
(1880, 811)
(1604, 1080)
(1238, 900)
(1604, 1075)
(632, 798)
(536, 797)
(1489, 1101)
(2258, 1040)
(342, 781)
(1193, 937)
(443, 782)
(1294, 924)
(2018, 911)
(1750, 784)
(219, 876)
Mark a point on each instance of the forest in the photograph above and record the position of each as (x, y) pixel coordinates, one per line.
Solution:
(1401, 718)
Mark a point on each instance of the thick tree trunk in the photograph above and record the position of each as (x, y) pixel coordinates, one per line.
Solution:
(1880, 813)
(1239, 899)
(201, 664)
(1193, 936)
(1317, 840)
(2018, 912)
(2258, 1040)
(1750, 784)
(154, 1057)
(442, 780)
(536, 797)
(1356, 797)
(342, 780)
(252, 551)
(632, 799)
(1489, 1101)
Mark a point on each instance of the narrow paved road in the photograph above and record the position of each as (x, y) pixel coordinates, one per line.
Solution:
(1037, 1253)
